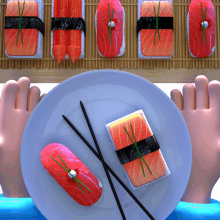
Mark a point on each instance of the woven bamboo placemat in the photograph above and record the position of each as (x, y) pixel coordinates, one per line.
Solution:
(180, 59)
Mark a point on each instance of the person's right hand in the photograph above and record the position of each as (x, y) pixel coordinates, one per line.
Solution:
(16, 105)
(200, 108)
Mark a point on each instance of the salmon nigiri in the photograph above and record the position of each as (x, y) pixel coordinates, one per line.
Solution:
(24, 29)
(155, 167)
(156, 29)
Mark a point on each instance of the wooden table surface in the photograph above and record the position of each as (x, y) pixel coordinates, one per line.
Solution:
(154, 76)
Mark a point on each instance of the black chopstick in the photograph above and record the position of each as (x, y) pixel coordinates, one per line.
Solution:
(109, 168)
(103, 162)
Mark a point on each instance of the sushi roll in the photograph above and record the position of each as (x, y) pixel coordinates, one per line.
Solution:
(137, 149)
(24, 29)
(70, 173)
(110, 28)
(155, 29)
(68, 29)
(201, 28)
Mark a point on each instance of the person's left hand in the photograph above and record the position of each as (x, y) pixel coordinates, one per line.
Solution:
(16, 105)
(200, 107)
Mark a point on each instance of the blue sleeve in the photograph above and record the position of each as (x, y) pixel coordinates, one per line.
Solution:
(19, 209)
(24, 209)
(188, 211)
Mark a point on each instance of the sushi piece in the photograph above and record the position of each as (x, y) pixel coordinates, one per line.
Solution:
(110, 28)
(24, 29)
(72, 22)
(80, 183)
(141, 168)
(201, 28)
(74, 36)
(155, 29)
(60, 36)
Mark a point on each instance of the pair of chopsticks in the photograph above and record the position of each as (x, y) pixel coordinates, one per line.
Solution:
(105, 165)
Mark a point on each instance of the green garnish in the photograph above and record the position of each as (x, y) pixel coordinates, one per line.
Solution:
(20, 16)
(139, 154)
(68, 170)
(138, 149)
(157, 29)
(110, 19)
(203, 27)
(81, 183)
(65, 164)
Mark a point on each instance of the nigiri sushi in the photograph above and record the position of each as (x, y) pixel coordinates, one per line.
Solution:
(70, 173)
(75, 37)
(127, 131)
(155, 29)
(68, 29)
(201, 28)
(60, 35)
(24, 37)
(109, 26)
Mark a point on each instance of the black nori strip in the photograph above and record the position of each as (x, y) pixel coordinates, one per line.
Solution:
(68, 24)
(145, 147)
(150, 23)
(28, 22)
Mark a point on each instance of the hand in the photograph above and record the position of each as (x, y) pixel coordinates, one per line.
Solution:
(200, 108)
(16, 105)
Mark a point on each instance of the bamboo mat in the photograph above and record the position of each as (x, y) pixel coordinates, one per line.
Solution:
(180, 59)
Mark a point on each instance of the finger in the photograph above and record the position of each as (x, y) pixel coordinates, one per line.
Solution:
(43, 96)
(202, 93)
(214, 94)
(22, 95)
(33, 98)
(189, 94)
(177, 98)
(9, 92)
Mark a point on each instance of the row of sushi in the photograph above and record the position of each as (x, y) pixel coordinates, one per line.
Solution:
(136, 148)
(24, 29)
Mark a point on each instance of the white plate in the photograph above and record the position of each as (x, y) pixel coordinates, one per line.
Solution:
(107, 95)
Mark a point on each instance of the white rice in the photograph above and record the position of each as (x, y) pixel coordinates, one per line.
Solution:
(39, 52)
(122, 49)
(140, 54)
(82, 33)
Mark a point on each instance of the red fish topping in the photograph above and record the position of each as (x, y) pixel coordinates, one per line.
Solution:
(60, 36)
(205, 47)
(74, 36)
(83, 174)
(109, 47)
